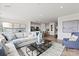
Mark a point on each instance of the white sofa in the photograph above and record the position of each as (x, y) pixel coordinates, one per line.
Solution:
(11, 49)
(20, 39)
(7, 49)
(23, 41)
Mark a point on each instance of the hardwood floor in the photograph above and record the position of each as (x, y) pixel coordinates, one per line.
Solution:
(68, 52)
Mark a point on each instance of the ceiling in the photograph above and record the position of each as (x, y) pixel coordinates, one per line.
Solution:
(37, 12)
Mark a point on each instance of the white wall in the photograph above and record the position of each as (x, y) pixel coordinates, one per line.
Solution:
(47, 25)
(28, 24)
(42, 27)
(62, 35)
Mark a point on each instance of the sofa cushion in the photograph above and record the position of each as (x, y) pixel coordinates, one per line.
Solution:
(76, 34)
(12, 51)
(20, 40)
(25, 35)
(19, 35)
(25, 43)
(3, 38)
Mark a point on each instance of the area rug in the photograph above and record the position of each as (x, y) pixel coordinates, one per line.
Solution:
(55, 50)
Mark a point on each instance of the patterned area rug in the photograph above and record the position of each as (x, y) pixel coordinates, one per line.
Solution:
(55, 50)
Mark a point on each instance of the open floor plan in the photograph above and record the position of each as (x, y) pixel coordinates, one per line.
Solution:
(39, 29)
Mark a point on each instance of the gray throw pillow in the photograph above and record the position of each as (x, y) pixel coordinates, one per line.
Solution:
(10, 36)
(2, 51)
(2, 45)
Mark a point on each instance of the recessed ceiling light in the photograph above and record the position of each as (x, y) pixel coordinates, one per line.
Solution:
(61, 6)
(41, 15)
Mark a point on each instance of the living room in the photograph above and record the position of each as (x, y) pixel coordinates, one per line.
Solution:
(39, 29)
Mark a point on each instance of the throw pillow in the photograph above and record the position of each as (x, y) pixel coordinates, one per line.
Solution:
(2, 51)
(2, 45)
(2, 38)
(10, 36)
(73, 38)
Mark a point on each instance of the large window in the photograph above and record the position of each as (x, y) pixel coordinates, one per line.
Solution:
(9, 27)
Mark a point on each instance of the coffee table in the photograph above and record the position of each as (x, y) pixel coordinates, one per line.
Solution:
(35, 49)
(41, 47)
(31, 49)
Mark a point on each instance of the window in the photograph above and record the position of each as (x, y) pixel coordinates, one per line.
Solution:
(7, 25)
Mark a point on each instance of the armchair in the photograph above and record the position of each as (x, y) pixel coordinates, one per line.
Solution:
(72, 44)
